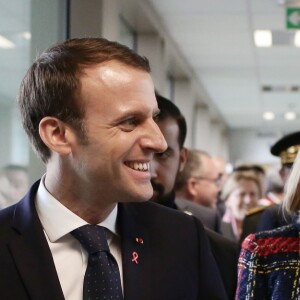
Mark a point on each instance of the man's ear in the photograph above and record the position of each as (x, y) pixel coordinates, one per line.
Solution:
(56, 135)
(183, 157)
(191, 186)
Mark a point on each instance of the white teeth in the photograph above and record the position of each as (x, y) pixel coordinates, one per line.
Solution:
(139, 166)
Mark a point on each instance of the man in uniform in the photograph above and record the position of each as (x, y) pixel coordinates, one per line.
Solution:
(270, 217)
(287, 149)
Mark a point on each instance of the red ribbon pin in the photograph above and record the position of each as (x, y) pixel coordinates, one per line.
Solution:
(135, 257)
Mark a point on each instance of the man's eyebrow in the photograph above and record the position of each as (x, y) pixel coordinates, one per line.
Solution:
(133, 112)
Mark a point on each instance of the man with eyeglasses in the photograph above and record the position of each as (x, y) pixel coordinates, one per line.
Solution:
(199, 181)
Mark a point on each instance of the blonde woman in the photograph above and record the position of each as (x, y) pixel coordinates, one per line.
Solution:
(241, 192)
(269, 262)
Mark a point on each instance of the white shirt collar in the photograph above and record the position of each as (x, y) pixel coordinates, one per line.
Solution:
(58, 221)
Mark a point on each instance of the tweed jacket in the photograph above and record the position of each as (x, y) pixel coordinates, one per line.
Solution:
(269, 265)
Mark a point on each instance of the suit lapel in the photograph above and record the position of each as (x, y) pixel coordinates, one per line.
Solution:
(135, 254)
(31, 252)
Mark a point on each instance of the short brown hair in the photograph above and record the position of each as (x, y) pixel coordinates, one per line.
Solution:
(168, 109)
(194, 163)
(52, 84)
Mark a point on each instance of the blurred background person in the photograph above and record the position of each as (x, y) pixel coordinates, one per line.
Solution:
(199, 181)
(269, 261)
(287, 149)
(275, 187)
(14, 183)
(222, 167)
(164, 168)
(241, 193)
(259, 172)
(167, 165)
(272, 216)
(274, 195)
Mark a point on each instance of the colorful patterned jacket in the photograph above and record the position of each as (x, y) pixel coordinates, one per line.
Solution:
(269, 265)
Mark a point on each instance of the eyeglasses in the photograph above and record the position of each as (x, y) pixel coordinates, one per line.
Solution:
(217, 181)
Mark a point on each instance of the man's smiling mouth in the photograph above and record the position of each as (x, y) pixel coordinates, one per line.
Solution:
(138, 166)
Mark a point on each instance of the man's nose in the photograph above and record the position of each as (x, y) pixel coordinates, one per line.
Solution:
(154, 138)
(247, 199)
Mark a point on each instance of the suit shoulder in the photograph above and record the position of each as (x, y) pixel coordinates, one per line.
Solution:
(192, 208)
(153, 213)
(274, 209)
(161, 210)
(256, 210)
(220, 240)
(7, 213)
(6, 218)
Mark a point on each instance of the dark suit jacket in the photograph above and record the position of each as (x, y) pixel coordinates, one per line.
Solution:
(225, 251)
(208, 216)
(273, 217)
(226, 254)
(174, 260)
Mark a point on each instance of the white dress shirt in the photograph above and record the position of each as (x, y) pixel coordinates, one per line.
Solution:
(70, 258)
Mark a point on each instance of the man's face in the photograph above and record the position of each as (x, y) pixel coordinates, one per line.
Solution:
(165, 166)
(122, 136)
(207, 186)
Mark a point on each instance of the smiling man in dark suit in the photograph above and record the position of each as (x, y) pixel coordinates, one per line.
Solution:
(89, 109)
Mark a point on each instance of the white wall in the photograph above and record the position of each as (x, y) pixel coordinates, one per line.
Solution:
(48, 27)
(249, 146)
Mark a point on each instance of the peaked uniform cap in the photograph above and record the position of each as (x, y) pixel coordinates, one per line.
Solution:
(287, 147)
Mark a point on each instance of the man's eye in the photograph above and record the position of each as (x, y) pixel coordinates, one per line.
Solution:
(164, 154)
(156, 118)
(128, 124)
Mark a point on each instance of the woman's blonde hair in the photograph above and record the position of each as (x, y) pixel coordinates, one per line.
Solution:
(233, 182)
(291, 200)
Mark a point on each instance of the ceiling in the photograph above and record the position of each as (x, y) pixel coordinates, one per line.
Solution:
(216, 38)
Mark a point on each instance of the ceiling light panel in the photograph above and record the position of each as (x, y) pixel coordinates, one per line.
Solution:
(6, 43)
(263, 38)
(268, 116)
(290, 115)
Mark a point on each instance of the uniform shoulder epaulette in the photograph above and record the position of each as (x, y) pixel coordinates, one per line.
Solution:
(255, 210)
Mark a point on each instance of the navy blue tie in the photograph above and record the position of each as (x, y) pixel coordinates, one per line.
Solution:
(102, 277)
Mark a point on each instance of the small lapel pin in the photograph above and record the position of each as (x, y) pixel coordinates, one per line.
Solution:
(135, 257)
(139, 240)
